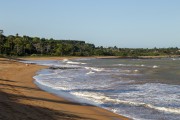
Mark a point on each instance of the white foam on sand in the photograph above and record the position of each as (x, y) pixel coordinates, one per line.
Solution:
(102, 99)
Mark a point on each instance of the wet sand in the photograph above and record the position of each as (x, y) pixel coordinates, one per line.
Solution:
(21, 99)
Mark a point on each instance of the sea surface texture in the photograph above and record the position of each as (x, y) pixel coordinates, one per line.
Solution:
(141, 89)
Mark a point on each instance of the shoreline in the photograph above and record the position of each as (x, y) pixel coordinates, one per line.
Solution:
(96, 57)
(22, 99)
(138, 57)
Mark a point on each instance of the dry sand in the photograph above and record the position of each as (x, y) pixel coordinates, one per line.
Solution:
(21, 99)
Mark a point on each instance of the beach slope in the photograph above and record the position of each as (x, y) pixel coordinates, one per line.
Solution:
(21, 99)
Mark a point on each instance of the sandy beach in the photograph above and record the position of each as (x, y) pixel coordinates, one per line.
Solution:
(21, 99)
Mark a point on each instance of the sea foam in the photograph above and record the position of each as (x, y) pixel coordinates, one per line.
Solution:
(115, 87)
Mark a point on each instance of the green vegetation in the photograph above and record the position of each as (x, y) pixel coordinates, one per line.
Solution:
(35, 46)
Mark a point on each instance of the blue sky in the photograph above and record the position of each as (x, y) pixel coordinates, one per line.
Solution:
(122, 23)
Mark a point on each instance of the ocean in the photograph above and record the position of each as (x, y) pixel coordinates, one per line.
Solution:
(141, 89)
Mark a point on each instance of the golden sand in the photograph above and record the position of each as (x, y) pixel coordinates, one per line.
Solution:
(21, 99)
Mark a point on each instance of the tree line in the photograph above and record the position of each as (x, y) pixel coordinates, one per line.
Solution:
(15, 45)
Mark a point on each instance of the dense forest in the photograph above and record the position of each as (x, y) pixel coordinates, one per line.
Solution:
(15, 45)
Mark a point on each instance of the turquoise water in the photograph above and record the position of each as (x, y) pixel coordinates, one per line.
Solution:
(142, 89)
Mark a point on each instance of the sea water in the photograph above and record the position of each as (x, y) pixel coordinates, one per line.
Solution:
(141, 89)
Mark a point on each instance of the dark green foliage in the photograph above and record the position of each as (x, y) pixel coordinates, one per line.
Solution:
(35, 46)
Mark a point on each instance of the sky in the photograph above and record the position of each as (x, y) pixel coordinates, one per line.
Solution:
(121, 23)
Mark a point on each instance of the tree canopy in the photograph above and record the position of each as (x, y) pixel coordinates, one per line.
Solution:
(34, 46)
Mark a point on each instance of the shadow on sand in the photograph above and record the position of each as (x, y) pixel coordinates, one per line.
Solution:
(11, 109)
